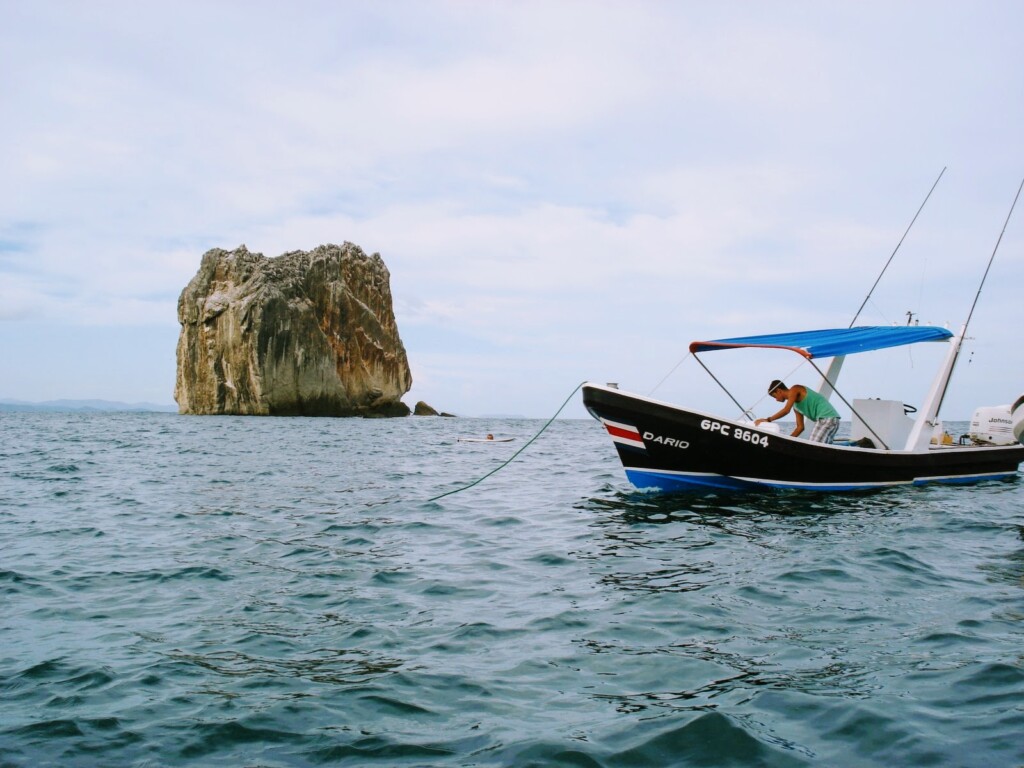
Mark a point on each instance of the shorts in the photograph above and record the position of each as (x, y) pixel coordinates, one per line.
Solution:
(824, 430)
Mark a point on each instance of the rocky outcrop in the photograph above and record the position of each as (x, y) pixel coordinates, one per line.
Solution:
(310, 334)
(424, 409)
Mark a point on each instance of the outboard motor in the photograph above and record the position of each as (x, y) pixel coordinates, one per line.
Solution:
(991, 425)
(1017, 417)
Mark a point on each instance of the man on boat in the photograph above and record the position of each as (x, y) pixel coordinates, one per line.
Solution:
(807, 403)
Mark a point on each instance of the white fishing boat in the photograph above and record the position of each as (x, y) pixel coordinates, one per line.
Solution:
(672, 448)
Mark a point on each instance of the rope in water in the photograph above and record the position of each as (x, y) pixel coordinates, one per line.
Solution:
(513, 456)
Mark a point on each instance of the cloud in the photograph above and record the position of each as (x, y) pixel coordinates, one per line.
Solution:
(559, 190)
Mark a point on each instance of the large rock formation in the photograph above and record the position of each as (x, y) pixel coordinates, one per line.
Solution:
(310, 334)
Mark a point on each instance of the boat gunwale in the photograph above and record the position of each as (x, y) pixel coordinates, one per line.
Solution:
(802, 442)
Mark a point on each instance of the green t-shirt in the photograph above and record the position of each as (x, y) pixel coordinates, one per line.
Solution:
(815, 407)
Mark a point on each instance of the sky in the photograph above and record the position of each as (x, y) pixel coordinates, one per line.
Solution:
(562, 191)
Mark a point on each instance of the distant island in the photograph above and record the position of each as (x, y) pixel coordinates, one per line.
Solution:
(74, 406)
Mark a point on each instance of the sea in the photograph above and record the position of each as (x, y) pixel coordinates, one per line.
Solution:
(262, 592)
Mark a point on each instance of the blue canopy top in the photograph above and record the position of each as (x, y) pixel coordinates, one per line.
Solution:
(833, 342)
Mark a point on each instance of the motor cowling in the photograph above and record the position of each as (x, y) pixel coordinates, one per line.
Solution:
(992, 425)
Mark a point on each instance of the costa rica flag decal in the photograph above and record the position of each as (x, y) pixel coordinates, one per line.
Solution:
(625, 435)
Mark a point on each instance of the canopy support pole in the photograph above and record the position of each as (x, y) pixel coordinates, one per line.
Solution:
(743, 411)
(929, 414)
(828, 381)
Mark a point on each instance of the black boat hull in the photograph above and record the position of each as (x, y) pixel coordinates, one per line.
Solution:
(669, 448)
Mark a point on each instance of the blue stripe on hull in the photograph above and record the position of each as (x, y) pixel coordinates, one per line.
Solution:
(644, 479)
(672, 481)
(966, 479)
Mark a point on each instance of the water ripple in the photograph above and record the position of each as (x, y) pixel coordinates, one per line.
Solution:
(279, 592)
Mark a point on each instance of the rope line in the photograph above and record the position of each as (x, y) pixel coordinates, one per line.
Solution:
(663, 378)
(513, 456)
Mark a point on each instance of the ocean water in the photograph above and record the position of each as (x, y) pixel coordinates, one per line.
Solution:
(198, 591)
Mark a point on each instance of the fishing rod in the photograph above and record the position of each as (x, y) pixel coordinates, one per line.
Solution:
(893, 254)
(826, 388)
(856, 315)
(993, 256)
(963, 331)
